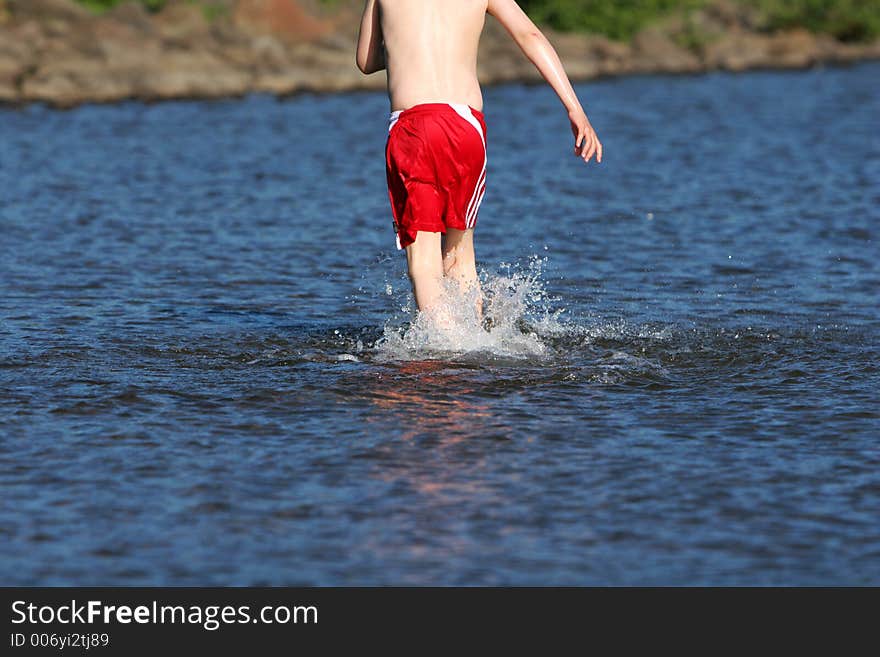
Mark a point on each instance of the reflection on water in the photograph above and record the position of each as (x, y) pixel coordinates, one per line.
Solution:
(435, 407)
(211, 375)
(430, 400)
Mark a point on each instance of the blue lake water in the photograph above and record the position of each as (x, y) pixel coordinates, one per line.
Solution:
(209, 376)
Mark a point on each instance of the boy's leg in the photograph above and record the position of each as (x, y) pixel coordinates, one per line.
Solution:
(459, 262)
(424, 259)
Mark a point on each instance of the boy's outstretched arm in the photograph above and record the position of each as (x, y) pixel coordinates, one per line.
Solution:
(542, 54)
(370, 49)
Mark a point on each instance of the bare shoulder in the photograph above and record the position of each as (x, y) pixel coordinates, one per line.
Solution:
(427, 6)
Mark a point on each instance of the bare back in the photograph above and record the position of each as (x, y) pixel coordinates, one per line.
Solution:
(431, 51)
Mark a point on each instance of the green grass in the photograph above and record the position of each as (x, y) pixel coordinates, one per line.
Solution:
(847, 20)
(212, 9)
(104, 5)
(618, 19)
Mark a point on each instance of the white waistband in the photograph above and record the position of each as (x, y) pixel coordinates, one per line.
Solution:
(461, 108)
(392, 119)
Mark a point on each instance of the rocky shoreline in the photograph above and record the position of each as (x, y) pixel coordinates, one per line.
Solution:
(57, 52)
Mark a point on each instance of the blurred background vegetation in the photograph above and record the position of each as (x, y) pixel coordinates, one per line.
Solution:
(211, 8)
(846, 20)
(100, 5)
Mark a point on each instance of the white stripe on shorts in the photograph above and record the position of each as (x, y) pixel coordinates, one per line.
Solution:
(464, 111)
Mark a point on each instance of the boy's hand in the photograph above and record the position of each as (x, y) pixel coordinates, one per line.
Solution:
(586, 143)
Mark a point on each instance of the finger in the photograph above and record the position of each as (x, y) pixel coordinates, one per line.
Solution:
(599, 155)
(588, 149)
(594, 144)
(585, 146)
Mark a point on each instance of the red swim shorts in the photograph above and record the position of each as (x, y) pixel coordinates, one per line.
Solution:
(436, 166)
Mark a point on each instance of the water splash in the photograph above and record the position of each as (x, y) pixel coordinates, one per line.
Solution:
(516, 311)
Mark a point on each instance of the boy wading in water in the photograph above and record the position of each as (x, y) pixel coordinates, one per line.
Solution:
(436, 150)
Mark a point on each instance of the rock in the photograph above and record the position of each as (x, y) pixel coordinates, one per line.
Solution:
(45, 9)
(133, 15)
(67, 82)
(120, 47)
(612, 57)
(736, 51)
(178, 74)
(283, 18)
(11, 71)
(654, 51)
(277, 84)
(20, 41)
(851, 52)
(268, 53)
(739, 51)
(792, 49)
(605, 48)
(179, 23)
(118, 39)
